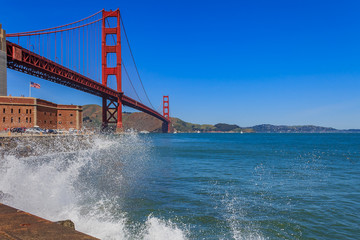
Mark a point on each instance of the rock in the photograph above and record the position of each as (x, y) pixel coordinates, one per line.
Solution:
(67, 223)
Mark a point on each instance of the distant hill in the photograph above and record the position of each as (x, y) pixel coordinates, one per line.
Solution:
(139, 121)
(267, 128)
(92, 115)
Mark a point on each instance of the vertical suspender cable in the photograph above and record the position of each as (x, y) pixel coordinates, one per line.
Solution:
(55, 47)
(62, 48)
(79, 53)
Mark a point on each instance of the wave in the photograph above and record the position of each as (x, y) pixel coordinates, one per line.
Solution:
(86, 185)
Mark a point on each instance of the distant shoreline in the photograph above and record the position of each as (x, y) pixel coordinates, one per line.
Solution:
(139, 121)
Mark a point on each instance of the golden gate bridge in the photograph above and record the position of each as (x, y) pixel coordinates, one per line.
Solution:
(92, 55)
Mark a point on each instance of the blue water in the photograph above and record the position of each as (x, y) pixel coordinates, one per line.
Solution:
(246, 186)
(196, 186)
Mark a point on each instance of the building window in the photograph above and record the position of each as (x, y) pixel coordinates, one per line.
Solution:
(30, 119)
(3, 110)
(12, 120)
(19, 110)
(27, 111)
(3, 119)
(70, 122)
(50, 122)
(27, 120)
(12, 110)
(45, 121)
(44, 113)
(71, 115)
(30, 111)
(19, 120)
(59, 114)
(50, 114)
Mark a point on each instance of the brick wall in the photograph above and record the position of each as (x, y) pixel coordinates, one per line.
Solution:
(68, 117)
(30, 112)
(15, 112)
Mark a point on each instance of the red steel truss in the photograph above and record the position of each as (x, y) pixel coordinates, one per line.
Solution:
(28, 62)
(23, 60)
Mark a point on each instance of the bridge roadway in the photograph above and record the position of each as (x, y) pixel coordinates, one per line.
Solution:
(23, 60)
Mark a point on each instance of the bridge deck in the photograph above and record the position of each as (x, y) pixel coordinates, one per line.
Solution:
(23, 60)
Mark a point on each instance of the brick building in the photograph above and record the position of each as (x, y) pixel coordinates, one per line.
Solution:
(29, 112)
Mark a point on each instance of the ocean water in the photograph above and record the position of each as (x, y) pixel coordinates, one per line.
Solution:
(195, 186)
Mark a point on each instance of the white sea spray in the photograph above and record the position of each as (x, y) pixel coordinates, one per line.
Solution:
(85, 185)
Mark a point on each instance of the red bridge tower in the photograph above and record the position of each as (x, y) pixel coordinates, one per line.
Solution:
(112, 109)
(166, 114)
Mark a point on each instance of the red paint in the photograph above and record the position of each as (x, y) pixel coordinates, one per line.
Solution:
(63, 71)
(109, 113)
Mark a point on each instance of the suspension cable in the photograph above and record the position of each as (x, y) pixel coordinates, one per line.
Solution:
(137, 71)
(47, 29)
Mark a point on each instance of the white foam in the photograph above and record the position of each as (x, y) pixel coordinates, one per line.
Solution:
(58, 186)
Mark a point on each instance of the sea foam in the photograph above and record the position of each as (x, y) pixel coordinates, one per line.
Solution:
(85, 185)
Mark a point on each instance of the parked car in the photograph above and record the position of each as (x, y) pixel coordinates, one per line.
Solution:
(73, 131)
(51, 131)
(35, 130)
(61, 131)
(18, 130)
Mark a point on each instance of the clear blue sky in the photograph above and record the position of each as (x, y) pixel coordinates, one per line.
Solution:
(241, 62)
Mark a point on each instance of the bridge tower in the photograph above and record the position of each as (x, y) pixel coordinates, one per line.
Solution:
(166, 114)
(111, 108)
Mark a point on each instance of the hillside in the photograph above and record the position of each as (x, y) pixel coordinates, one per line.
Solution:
(139, 121)
(267, 128)
(92, 117)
